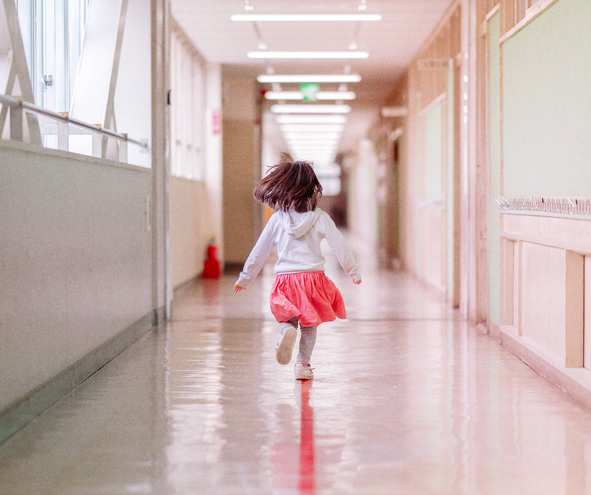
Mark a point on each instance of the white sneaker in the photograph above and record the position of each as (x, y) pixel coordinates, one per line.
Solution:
(285, 346)
(303, 371)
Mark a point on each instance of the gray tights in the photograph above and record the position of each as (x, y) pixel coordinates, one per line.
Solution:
(307, 339)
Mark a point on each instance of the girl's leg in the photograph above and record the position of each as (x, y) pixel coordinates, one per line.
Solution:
(307, 342)
(289, 333)
(286, 324)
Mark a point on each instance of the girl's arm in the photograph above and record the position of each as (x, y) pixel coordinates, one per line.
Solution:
(340, 248)
(258, 256)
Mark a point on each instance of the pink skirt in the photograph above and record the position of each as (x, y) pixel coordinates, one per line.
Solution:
(309, 296)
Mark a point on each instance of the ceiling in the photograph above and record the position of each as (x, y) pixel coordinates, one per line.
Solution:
(391, 43)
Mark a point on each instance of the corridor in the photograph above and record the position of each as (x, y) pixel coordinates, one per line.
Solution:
(407, 399)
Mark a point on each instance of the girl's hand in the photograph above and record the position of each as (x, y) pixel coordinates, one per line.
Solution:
(237, 288)
(357, 282)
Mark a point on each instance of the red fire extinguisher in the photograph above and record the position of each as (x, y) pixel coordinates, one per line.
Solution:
(211, 266)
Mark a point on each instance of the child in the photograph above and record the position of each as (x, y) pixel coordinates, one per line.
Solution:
(301, 292)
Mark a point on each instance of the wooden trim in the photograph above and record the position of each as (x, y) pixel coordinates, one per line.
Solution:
(492, 12)
(581, 247)
(456, 4)
(575, 382)
(531, 14)
(439, 99)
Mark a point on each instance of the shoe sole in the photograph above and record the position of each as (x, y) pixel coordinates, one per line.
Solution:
(285, 347)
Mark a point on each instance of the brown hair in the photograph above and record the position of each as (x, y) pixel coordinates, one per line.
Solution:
(289, 184)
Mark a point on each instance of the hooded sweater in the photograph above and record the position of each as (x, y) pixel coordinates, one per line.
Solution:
(297, 237)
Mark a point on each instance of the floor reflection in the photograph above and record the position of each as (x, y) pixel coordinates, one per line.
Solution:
(407, 398)
(307, 471)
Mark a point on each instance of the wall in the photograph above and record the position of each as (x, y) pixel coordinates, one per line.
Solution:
(547, 103)
(83, 240)
(188, 228)
(76, 261)
(427, 185)
(494, 160)
(241, 158)
(545, 255)
(196, 205)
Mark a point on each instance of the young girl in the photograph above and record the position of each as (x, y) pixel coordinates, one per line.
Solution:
(301, 292)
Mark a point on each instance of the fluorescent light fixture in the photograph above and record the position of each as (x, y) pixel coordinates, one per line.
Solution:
(316, 136)
(318, 146)
(319, 153)
(394, 111)
(331, 170)
(321, 95)
(305, 17)
(312, 135)
(309, 78)
(310, 108)
(311, 119)
(307, 55)
(312, 128)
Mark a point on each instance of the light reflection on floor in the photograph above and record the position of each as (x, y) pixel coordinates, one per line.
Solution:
(407, 398)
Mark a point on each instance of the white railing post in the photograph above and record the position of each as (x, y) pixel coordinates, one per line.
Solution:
(123, 149)
(16, 123)
(97, 143)
(63, 133)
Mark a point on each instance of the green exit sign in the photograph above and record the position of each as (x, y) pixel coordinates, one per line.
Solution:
(309, 90)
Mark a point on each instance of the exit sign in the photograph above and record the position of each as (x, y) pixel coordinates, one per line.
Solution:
(309, 91)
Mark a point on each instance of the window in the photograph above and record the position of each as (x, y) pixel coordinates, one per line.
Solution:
(52, 32)
(187, 107)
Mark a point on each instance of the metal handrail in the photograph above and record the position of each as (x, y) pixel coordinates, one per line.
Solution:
(32, 108)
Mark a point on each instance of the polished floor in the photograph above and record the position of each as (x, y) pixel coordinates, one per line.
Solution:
(407, 399)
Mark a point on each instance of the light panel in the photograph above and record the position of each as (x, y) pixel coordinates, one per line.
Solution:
(325, 137)
(305, 17)
(312, 127)
(307, 55)
(339, 109)
(311, 119)
(320, 95)
(309, 78)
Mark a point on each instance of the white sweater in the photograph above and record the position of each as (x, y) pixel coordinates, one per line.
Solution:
(297, 237)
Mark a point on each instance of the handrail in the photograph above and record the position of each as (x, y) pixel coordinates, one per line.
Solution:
(64, 117)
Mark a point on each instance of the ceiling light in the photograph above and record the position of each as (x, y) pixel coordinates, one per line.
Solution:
(310, 108)
(312, 135)
(306, 17)
(307, 55)
(321, 95)
(309, 78)
(312, 127)
(311, 119)
(326, 142)
(306, 143)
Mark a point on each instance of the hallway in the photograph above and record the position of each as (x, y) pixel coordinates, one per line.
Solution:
(407, 398)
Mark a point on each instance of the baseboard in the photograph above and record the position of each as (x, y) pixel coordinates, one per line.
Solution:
(574, 382)
(16, 416)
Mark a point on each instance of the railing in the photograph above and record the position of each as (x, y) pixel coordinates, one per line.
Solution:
(579, 207)
(58, 132)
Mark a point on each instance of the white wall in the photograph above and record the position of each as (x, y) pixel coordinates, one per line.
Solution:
(196, 206)
(191, 228)
(241, 165)
(76, 261)
(364, 215)
(213, 153)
